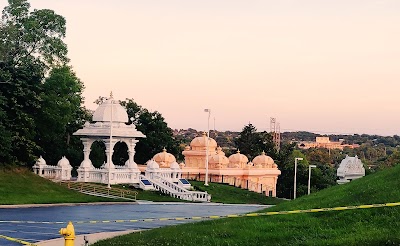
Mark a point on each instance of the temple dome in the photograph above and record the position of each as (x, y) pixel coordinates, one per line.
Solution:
(151, 164)
(64, 162)
(175, 165)
(263, 160)
(238, 160)
(164, 157)
(103, 112)
(40, 162)
(201, 142)
(219, 159)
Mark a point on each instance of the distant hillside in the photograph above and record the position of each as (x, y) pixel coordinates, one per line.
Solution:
(225, 138)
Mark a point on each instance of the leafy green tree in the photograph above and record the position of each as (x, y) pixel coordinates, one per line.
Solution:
(30, 44)
(158, 134)
(286, 166)
(5, 136)
(32, 37)
(60, 114)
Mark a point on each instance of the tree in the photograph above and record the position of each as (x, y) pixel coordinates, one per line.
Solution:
(286, 164)
(30, 44)
(5, 136)
(251, 143)
(158, 134)
(32, 37)
(61, 109)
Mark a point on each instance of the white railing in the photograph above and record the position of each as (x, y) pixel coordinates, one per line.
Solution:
(117, 176)
(169, 188)
(53, 172)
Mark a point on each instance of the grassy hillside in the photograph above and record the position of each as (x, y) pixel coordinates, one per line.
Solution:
(224, 193)
(20, 186)
(376, 226)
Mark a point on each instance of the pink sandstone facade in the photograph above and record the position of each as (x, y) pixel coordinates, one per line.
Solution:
(260, 175)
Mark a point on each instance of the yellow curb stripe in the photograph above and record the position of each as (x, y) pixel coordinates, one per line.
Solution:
(17, 240)
(215, 217)
(252, 215)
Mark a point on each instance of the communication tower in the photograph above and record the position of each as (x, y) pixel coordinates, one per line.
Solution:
(275, 129)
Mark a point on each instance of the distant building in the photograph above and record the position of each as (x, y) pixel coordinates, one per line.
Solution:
(350, 168)
(324, 142)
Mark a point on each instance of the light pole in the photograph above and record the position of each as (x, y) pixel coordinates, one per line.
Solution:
(207, 110)
(110, 146)
(309, 177)
(295, 173)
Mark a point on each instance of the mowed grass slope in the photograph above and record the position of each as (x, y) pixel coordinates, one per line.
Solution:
(20, 186)
(376, 226)
(223, 193)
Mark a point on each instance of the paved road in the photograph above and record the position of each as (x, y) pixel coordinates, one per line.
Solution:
(48, 216)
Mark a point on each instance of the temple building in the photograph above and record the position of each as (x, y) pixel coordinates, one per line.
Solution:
(260, 175)
(350, 168)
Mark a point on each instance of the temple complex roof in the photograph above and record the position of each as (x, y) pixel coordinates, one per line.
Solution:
(219, 159)
(199, 143)
(238, 160)
(263, 160)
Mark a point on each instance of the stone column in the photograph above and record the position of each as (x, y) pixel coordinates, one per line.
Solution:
(131, 153)
(86, 163)
(109, 146)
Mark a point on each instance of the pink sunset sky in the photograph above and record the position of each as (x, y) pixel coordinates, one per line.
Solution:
(316, 65)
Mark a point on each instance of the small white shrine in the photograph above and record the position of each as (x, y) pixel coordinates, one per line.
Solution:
(110, 127)
(350, 168)
(60, 172)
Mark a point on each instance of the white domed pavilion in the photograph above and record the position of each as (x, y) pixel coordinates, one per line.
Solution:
(110, 127)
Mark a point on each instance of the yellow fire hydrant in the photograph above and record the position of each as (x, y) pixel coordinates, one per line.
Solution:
(68, 234)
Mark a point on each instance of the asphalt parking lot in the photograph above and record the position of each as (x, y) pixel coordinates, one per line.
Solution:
(37, 224)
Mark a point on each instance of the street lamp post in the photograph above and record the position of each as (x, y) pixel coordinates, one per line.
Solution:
(309, 177)
(295, 174)
(208, 140)
(110, 146)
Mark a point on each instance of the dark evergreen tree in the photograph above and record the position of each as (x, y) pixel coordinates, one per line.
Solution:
(251, 143)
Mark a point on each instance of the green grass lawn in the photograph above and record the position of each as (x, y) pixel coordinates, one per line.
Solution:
(224, 193)
(20, 186)
(376, 226)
